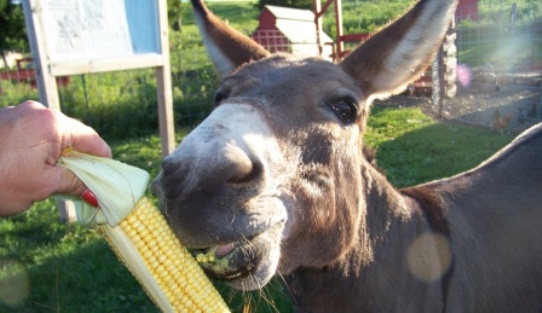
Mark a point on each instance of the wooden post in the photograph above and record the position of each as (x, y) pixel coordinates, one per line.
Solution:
(319, 11)
(163, 87)
(45, 81)
(317, 6)
(339, 29)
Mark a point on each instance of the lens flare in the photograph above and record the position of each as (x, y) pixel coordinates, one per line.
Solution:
(429, 257)
(464, 75)
(14, 283)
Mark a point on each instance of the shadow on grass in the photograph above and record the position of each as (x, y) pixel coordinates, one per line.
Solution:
(89, 278)
(436, 151)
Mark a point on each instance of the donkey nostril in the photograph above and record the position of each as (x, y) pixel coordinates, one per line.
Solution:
(237, 165)
(229, 164)
(254, 172)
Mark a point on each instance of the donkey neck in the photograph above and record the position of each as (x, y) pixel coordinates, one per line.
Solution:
(397, 220)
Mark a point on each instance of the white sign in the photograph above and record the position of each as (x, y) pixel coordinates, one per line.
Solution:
(99, 29)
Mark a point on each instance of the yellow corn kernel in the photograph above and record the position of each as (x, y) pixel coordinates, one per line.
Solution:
(170, 276)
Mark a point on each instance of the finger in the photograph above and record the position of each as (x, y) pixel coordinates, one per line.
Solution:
(84, 139)
(9, 113)
(14, 207)
(6, 109)
(29, 106)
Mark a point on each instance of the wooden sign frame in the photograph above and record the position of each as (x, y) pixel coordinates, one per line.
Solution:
(47, 69)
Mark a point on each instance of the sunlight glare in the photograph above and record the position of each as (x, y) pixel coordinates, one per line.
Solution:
(14, 283)
(429, 257)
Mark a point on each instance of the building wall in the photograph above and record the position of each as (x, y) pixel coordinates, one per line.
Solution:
(267, 20)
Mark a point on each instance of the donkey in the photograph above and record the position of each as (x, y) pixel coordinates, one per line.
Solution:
(274, 182)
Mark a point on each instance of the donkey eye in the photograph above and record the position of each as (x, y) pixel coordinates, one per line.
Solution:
(344, 109)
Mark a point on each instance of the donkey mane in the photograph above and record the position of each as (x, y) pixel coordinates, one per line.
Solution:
(432, 206)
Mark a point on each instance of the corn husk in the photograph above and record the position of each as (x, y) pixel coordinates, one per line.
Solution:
(117, 186)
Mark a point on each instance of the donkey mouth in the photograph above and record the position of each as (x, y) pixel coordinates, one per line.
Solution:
(246, 263)
(229, 261)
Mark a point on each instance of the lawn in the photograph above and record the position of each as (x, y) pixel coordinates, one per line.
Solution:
(48, 266)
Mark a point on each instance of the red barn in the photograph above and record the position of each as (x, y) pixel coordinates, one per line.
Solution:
(467, 9)
(289, 30)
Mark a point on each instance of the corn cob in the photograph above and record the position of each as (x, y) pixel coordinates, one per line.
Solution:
(139, 234)
(166, 270)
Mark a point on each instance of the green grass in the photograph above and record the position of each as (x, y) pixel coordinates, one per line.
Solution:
(66, 268)
(413, 149)
(364, 16)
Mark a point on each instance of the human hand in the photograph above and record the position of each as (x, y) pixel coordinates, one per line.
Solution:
(32, 137)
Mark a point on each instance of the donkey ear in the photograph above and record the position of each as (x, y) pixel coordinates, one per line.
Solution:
(399, 53)
(227, 47)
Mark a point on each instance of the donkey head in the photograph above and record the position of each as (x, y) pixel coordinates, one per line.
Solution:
(272, 180)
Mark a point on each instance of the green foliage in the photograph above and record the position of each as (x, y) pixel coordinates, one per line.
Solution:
(116, 104)
(174, 14)
(12, 31)
(499, 45)
(494, 38)
(365, 16)
(143, 152)
(242, 16)
(13, 93)
(501, 12)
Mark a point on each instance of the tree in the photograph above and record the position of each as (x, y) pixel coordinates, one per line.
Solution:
(174, 14)
(13, 30)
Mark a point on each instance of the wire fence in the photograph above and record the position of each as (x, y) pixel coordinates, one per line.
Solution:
(499, 77)
(499, 71)
(273, 41)
(119, 104)
(304, 45)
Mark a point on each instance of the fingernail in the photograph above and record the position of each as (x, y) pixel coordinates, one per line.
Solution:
(90, 198)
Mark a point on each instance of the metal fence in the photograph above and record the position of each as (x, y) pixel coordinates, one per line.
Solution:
(499, 65)
(119, 104)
